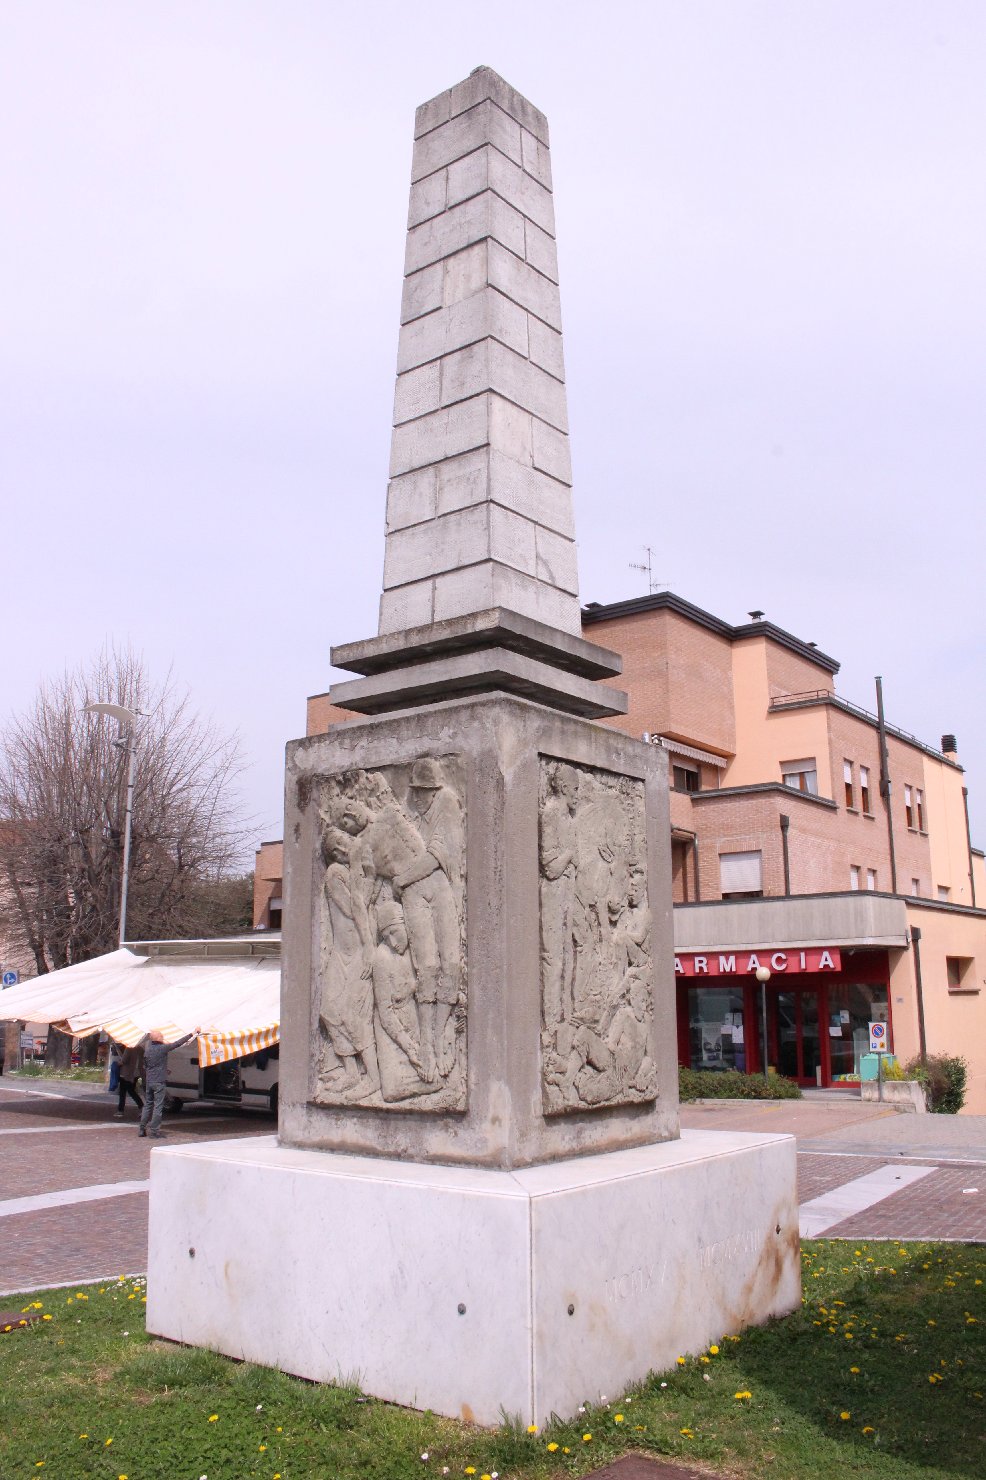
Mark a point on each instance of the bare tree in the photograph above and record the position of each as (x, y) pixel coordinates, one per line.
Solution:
(63, 777)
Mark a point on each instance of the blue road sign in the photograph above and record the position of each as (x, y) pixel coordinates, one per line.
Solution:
(9, 978)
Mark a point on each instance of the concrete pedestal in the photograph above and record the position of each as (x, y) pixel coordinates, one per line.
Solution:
(471, 1291)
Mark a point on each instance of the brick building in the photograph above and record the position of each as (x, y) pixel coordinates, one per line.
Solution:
(807, 838)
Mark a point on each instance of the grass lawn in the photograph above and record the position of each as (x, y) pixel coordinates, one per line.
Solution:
(880, 1373)
(86, 1073)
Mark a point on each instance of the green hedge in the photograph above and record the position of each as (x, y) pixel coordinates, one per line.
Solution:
(729, 1084)
(944, 1077)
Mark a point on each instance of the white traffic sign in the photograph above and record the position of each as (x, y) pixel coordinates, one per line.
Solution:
(9, 978)
(878, 1038)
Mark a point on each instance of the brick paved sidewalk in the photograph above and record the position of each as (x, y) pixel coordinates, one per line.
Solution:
(56, 1136)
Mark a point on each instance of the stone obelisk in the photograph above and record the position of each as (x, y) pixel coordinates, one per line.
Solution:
(478, 1197)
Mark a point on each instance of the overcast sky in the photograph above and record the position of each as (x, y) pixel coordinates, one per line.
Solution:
(771, 219)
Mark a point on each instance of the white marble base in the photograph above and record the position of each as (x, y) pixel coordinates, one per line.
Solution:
(472, 1292)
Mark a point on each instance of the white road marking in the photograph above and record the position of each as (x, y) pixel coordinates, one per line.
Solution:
(53, 1130)
(69, 1195)
(832, 1207)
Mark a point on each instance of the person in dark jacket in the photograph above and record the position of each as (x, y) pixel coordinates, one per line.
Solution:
(156, 1077)
(130, 1068)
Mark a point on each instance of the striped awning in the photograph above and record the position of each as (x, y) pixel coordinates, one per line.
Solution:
(236, 1003)
(216, 1048)
(689, 752)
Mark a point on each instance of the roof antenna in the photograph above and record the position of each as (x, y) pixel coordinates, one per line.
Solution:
(648, 571)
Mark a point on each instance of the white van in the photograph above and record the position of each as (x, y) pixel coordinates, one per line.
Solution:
(250, 1081)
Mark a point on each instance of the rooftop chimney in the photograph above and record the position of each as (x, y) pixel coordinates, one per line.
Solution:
(755, 616)
(948, 745)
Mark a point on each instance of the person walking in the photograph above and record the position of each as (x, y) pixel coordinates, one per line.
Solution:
(130, 1068)
(156, 1077)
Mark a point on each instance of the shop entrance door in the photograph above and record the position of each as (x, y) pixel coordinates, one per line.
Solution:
(792, 1028)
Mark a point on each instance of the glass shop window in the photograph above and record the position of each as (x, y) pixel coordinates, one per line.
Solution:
(851, 1010)
(716, 1038)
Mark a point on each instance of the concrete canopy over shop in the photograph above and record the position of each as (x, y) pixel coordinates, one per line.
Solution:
(235, 1000)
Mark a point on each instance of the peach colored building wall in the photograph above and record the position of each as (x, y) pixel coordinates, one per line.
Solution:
(268, 873)
(955, 1021)
(947, 831)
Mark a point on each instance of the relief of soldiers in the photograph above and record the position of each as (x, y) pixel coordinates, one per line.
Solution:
(399, 871)
(597, 1004)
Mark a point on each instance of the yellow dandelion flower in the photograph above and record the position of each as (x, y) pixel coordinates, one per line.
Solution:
(46, 1318)
(469, 1470)
(869, 1429)
(714, 1350)
(853, 1369)
(83, 1436)
(261, 1448)
(617, 1417)
(532, 1428)
(742, 1395)
(552, 1447)
(107, 1444)
(586, 1438)
(705, 1360)
(213, 1417)
(845, 1415)
(680, 1361)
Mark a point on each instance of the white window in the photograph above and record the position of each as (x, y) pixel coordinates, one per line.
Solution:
(801, 775)
(919, 809)
(854, 874)
(909, 805)
(740, 873)
(871, 878)
(944, 893)
(847, 777)
(915, 886)
(864, 788)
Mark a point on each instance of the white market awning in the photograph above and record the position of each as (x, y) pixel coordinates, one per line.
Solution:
(235, 1002)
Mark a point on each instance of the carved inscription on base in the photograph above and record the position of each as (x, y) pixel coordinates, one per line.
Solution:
(389, 1021)
(597, 1002)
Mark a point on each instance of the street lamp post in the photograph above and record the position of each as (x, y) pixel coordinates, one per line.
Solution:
(763, 977)
(125, 741)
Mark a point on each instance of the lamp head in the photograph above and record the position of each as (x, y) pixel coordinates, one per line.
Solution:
(763, 974)
(115, 711)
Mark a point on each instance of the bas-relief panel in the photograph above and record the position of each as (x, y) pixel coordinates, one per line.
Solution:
(389, 1020)
(597, 999)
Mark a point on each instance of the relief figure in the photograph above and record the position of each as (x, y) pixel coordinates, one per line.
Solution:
(596, 961)
(396, 881)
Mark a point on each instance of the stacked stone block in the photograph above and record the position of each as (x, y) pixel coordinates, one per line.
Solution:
(479, 507)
